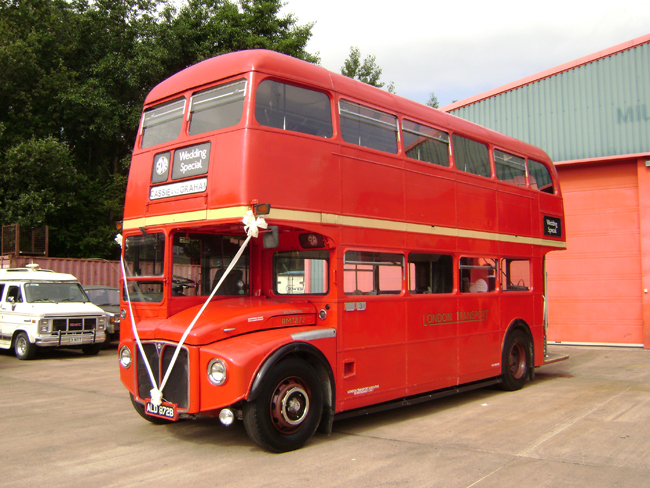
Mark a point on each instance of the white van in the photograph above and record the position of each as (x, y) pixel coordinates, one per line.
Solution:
(41, 308)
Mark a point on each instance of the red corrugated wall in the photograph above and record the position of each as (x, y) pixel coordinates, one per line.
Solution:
(87, 271)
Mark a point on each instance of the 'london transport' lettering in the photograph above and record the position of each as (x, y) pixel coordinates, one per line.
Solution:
(454, 318)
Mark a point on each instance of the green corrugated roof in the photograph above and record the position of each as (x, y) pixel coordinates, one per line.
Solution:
(598, 106)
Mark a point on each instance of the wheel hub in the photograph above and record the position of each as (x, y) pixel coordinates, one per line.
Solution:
(289, 405)
(517, 361)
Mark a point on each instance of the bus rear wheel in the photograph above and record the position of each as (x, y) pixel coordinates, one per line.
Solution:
(515, 361)
(288, 409)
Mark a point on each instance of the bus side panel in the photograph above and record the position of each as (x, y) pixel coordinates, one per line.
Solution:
(515, 209)
(310, 176)
(432, 349)
(372, 359)
(477, 203)
(372, 184)
(480, 336)
(431, 198)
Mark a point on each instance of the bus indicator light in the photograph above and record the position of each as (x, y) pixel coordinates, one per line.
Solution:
(262, 208)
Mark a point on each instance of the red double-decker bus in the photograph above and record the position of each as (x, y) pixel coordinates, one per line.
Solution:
(403, 258)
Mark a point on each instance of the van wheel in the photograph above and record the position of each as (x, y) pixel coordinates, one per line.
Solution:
(288, 409)
(23, 348)
(515, 361)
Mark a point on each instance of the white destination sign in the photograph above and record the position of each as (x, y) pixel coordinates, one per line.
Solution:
(177, 189)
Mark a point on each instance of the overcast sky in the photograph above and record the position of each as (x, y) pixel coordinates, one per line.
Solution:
(459, 48)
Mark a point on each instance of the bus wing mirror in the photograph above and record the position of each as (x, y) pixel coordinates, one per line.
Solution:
(271, 238)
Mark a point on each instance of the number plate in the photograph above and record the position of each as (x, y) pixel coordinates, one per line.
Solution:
(76, 339)
(165, 410)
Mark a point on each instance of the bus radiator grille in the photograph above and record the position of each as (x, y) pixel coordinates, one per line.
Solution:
(160, 355)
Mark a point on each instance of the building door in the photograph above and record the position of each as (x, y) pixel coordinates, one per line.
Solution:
(595, 286)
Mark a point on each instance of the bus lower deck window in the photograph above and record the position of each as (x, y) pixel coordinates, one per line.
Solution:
(301, 272)
(372, 273)
(477, 274)
(430, 273)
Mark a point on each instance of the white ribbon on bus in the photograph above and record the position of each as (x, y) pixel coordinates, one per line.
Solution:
(252, 225)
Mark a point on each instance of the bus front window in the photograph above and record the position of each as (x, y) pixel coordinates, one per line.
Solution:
(144, 256)
(200, 260)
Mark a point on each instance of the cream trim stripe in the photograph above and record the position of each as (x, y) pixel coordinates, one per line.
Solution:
(335, 219)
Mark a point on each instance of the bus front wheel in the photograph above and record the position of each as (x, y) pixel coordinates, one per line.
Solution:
(288, 409)
(515, 361)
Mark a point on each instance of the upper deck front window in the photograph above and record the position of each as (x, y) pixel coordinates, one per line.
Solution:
(292, 108)
(217, 108)
(162, 123)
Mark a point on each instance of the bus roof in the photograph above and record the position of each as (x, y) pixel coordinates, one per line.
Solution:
(289, 68)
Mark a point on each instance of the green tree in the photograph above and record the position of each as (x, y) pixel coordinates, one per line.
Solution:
(74, 76)
(367, 71)
(433, 100)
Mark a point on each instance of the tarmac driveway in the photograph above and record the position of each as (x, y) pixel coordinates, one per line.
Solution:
(67, 422)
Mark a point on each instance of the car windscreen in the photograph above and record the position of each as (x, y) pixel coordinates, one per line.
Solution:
(54, 292)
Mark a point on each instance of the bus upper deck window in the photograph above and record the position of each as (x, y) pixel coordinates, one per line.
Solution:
(471, 156)
(162, 123)
(540, 177)
(217, 108)
(510, 168)
(425, 143)
(368, 127)
(289, 107)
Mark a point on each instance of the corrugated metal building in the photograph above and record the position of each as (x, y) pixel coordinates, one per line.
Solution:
(592, 116)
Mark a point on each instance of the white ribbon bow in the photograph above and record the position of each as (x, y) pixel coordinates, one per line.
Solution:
(252, 224)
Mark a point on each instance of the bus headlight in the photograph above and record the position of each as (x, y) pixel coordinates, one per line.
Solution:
(217, 372)
(125, 357)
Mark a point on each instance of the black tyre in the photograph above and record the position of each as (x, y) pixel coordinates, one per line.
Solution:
(23, 348)
(288, 409)
(515, 361)
(92, 349)
(139, 407)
